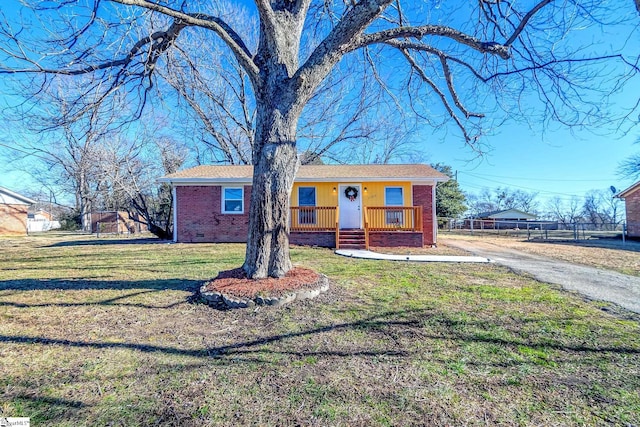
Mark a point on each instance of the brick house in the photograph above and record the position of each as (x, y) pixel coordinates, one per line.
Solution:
(331, 205)
(13, 212)
(631, 198)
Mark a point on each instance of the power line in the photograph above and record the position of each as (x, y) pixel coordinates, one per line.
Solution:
(521, 187)
(480, 175)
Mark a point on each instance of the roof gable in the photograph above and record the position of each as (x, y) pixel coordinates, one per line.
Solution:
(309, 173)
(626, 193)
(9, 197)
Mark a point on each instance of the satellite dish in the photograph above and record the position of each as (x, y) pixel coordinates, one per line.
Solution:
(613, 189)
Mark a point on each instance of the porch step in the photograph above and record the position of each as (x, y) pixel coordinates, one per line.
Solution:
(352, 239)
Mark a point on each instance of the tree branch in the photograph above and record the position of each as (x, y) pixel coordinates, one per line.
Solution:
(525, 21)
(230, 37)
(336, 44)
(493, 48)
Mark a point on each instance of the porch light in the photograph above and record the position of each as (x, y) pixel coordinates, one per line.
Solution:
(334, 189)
(365, 189)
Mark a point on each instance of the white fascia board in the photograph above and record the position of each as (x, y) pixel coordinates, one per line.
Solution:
(206, 181)
(246, 181)
(624, 193)
(369, 179)
(14, 198)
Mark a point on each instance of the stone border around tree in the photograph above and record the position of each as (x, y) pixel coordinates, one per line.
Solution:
(223, 301)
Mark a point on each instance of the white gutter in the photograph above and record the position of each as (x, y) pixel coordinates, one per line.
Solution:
(175, 214)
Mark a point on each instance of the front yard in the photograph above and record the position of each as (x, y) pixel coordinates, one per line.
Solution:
(106, 333)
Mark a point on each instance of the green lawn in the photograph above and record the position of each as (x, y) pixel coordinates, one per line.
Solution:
(106, 333)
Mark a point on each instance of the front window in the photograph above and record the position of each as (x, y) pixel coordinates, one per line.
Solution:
(393, 197)
(307, 198)
(233, 200)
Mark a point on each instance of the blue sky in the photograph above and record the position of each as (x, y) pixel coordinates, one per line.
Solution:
(556, 164)
(551, 162)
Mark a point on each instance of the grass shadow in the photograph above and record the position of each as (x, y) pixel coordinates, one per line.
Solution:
(83, 284)
(105, 242)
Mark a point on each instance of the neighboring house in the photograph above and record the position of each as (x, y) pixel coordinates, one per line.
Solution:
(506, 215)
(114, 222)
(500, 219)
(631, 198)
(331, 205)
(41, 220)
(13, 212)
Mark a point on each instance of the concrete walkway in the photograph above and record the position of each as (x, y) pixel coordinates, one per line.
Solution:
(361, 253)
(594, 283)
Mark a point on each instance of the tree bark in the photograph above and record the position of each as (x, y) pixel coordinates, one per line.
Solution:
(275, 167)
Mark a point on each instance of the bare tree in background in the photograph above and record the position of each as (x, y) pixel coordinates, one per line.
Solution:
(564, 212)
(469, 57)
(130, 170)
(62, 153)
(630, 167)
(502, 198)
(600, 207)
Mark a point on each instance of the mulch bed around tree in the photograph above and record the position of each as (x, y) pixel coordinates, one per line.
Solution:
(235, 282)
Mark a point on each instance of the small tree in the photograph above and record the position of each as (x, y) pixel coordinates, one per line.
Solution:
(450, 200)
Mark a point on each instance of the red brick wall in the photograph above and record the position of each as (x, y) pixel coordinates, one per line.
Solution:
(200, 217)
(390, 239)
(13, 219)
(632, 204)
(325, 239)
(423, 196)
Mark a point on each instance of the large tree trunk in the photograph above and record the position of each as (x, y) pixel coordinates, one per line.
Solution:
(275, 167)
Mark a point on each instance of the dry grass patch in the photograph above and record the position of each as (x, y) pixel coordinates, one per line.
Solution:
(602, 253)
(96, 333)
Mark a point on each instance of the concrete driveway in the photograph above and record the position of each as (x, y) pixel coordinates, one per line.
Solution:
(594, 283)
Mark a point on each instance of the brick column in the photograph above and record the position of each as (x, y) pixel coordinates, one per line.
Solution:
(423, 196)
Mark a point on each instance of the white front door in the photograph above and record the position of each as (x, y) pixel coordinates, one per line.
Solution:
(350, 208)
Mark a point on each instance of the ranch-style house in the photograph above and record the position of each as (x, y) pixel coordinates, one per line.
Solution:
(339, 206)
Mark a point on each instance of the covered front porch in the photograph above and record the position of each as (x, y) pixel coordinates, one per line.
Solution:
(375, 226)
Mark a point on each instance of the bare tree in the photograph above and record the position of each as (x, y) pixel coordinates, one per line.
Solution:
(601, 207)
(630, 167)
(130, 170)
(492, 48)
(501, 198)
(564, 212)
(62, 153)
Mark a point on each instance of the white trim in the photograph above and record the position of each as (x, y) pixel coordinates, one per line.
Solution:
(386, 203)
(624, 193)
(315, 194)
(435, 217)
(175, 214)
(14, 198)
(245, 181)
(341, 187)
(222, 200)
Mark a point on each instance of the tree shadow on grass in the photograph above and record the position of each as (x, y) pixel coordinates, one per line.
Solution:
(84, 284)
(390, 324)
(141, 286)
(109, 241)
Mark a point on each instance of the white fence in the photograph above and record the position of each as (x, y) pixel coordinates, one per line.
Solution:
(39, 225)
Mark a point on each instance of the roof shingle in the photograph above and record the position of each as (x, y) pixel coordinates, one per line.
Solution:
(409, 172)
